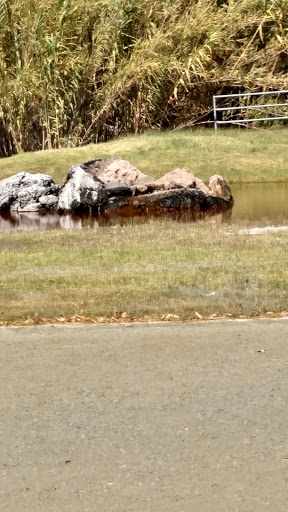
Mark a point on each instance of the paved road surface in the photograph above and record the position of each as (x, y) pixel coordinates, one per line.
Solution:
(152, 418)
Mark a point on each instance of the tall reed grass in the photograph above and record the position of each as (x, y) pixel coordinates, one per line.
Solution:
(74, 72)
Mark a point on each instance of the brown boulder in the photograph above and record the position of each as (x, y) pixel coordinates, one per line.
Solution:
(219, 187)
(119, 170)
(179, 178)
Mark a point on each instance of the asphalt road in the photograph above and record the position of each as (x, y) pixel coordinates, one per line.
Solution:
(161, 418)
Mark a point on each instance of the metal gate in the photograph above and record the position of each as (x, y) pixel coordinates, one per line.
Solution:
(247, 107)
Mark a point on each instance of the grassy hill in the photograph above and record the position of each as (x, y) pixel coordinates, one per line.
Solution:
(241, 156)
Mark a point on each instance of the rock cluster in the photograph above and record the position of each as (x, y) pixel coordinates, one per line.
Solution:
(112, 184)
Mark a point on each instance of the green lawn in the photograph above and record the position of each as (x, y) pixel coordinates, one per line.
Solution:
(157, 268)
(239, 155)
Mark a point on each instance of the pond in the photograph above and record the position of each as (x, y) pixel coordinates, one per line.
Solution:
(262, 201)
(253, 202)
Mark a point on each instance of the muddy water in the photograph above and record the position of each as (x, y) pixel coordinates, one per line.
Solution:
(263, 201)
(253, 202)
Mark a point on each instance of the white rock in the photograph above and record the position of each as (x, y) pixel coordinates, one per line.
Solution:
(260, 231)
(82, 189)
(22, 191)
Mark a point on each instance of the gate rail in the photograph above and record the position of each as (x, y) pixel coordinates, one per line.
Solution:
(248, 107)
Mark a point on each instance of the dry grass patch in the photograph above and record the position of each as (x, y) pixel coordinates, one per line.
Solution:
(158, 268)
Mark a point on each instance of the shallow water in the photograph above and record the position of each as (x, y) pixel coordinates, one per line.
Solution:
(260, 202)
(253, 202)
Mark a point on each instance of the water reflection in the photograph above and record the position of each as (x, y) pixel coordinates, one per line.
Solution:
(254, 202)
(33, 221)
